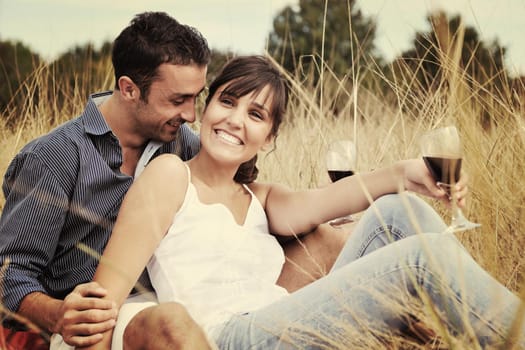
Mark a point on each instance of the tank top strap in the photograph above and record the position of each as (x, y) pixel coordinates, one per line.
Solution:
(249, 191)
(188, 171)
(256, 210)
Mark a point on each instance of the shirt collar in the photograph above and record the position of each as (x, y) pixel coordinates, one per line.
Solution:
(94, 122)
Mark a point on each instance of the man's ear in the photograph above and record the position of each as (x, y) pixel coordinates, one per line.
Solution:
(127, 88)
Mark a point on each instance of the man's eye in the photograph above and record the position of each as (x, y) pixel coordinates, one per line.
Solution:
(178, 101)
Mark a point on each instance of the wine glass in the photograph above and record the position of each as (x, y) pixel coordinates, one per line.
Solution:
(442, 154)
(340, 163)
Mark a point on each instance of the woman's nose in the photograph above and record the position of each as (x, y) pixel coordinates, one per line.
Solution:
(235, 117)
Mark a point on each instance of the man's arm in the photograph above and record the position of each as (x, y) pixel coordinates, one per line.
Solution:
(30, 227)
(34, 210)
(80, 318)
(41, 310)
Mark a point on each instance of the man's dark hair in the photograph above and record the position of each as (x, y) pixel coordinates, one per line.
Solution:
(151, 39)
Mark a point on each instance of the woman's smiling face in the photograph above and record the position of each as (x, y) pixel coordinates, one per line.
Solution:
(237, 127)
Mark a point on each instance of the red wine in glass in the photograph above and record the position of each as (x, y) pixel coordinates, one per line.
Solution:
(444, 169)
(340, 163)
(442, 154)
(336, 175)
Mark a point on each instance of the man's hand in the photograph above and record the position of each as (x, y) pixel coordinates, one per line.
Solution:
(83, 315)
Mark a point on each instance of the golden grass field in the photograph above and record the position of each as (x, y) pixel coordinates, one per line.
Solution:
(384, 131)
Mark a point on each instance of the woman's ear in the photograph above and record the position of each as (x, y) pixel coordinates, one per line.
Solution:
(128, 89)
(269, 141)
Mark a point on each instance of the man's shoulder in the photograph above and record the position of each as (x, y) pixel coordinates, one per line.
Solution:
(188, 137)
(186, 145)
(58, 152)
(60, 143)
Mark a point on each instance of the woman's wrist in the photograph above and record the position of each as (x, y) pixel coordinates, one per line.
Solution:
(398, 175)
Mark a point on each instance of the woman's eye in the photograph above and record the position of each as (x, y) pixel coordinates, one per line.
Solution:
(257, 115)
(227, 101)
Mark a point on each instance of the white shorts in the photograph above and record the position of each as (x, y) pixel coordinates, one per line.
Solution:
(132, 306)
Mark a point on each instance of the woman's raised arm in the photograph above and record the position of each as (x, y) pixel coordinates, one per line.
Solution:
(296, 212)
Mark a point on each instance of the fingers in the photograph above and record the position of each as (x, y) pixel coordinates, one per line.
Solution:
(85, 334)
(85, 315)
(417, 178)
(90, 289)
(433, 188)
(88, 296)
(438, 194)
(457, 192)
(460, 195)
(428, 185)
(461, 190)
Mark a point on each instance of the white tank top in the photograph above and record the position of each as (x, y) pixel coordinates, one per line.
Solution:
(215, 267)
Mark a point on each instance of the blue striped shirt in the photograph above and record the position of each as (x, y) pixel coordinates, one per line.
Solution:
(65, 189)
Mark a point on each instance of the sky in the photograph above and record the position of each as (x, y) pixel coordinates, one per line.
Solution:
(50, 27)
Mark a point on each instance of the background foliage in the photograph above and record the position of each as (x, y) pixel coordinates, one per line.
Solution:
(317, 39)
(341, 89)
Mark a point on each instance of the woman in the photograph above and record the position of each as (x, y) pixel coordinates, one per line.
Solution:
(204, 236)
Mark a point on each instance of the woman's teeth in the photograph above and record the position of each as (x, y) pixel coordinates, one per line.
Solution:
(229, 138)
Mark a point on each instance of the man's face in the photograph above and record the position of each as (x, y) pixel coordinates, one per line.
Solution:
(171, 101)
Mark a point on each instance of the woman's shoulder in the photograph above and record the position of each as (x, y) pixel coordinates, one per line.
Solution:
(168, 166)
(167, 161)
(265, 188)
(166, 179)
(261, 190)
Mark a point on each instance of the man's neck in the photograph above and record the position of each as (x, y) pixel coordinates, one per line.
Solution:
(120, 121)
(132, 144)
(130, 159)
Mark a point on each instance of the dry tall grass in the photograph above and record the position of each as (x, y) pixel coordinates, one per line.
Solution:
(384, 132)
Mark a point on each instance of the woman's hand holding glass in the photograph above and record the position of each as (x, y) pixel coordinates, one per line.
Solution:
(417, 178)
(443, 154)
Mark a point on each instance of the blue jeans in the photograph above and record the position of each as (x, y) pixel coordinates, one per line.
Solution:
(371, 283)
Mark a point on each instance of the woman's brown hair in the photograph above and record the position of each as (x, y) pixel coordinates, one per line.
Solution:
(244, 75)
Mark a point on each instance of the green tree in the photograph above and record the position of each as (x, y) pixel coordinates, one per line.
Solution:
(432, 51)
(218, 59)
(450, 53)
(17, 62)
(305, 33)
(34, 86)
(85, 68)
(81, 70)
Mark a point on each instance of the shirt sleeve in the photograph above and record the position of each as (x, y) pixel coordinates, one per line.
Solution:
(30, 226)
(190, 142)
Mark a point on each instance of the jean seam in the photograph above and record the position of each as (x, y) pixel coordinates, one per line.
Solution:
(394, 232)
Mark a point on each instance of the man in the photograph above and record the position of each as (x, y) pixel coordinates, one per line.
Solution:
(64, 189)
